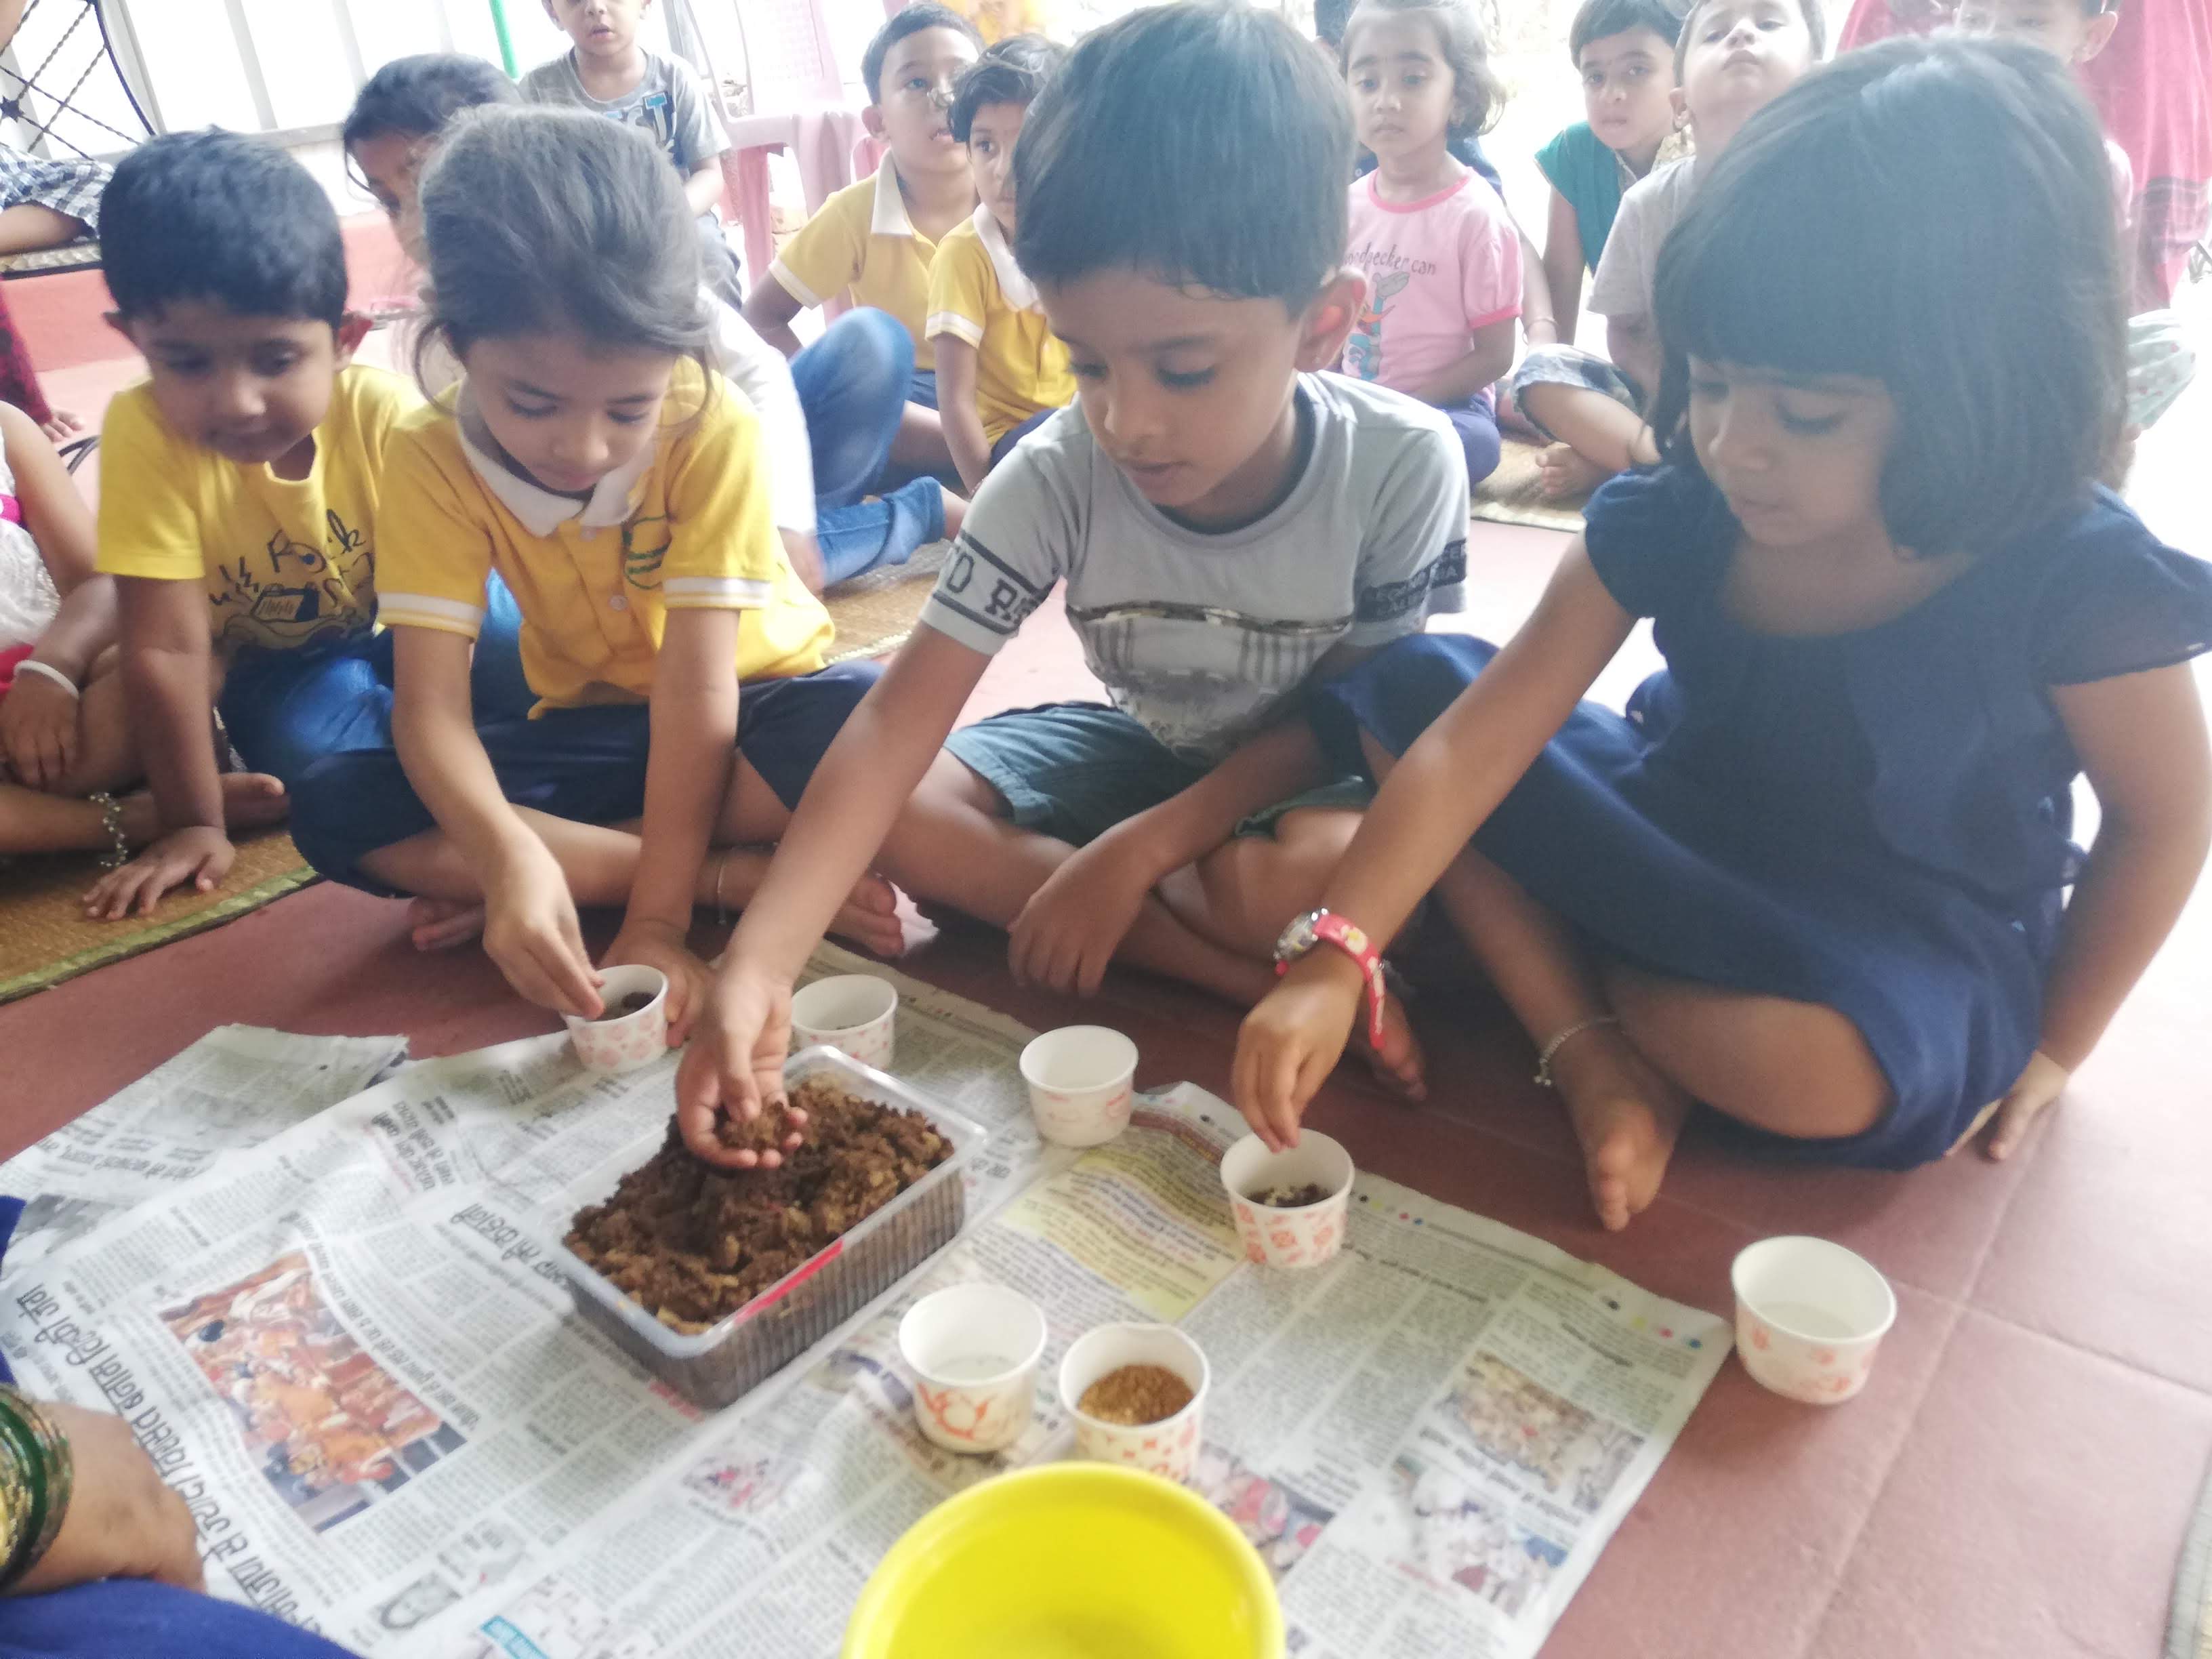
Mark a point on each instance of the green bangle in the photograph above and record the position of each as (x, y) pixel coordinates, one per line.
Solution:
(15, 1506)
(49, 1478)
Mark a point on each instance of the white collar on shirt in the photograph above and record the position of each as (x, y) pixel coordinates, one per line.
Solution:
(539, 510)
(890, 217)
(1020, 292)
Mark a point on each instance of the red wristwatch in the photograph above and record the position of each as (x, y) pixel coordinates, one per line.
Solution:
(1318, 927)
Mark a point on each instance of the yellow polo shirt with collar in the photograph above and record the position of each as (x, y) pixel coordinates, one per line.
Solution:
(285, 562)
(686, 525)
(978, 294)
(862, 242)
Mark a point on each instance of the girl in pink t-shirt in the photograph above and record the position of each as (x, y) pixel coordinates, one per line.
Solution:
(1441, 254)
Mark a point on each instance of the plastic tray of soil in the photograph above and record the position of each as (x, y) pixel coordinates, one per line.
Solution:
(715, 1366)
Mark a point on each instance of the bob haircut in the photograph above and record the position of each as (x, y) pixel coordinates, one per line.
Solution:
(1936, 215)
(1206, 145)
(1477, 94)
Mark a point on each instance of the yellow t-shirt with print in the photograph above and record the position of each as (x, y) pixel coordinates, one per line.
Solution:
(594, 581)
(285, 563)
(862, 242)
(1021, 367)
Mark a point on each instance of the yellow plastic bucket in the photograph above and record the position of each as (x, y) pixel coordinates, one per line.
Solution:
(1070, 1561)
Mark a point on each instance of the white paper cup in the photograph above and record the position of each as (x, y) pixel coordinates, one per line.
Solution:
(1809, 1317)
(635, 1040)
(1168, 1448)
(1303, 1236)
(1081, 1081)
(974, 1351)
(856, 1014)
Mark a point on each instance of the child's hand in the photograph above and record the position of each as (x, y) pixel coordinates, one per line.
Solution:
(736, 1065)
(660, 945)
(38, 732)
(199, 854)
(531, 931)
(2038, 1087)
(1292, 1041)
(1072, 925)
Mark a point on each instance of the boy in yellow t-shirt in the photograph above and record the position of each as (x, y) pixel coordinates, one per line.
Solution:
(873, 241)
(243, 485)
(1001, 369)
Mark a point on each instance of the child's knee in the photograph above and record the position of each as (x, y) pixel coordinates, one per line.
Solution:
(946, 825)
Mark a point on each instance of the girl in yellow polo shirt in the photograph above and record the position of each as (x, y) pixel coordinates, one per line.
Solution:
(616, 485)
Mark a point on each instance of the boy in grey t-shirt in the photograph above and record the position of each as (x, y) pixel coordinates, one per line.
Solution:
(607, 72)
(1230, 526)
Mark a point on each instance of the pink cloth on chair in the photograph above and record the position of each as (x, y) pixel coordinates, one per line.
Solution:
(823, 141)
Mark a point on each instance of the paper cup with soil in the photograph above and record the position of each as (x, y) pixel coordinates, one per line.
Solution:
(632, 1029)
(1290, 1206)
(1138, 1395)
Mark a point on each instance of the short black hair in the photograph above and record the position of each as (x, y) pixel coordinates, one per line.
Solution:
(1598, 20)
(417, 97)
(1205, 144)
(219, 216)
(1937, 215)
(907, 20)
(1816, 30)
(537, 219)
(1329, 18)
(1477, 94)
(1013, 70)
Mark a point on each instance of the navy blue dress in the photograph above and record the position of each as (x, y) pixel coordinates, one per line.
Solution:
(1875, 822)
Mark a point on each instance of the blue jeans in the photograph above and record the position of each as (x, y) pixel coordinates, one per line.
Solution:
(286, 709)
(853, 384)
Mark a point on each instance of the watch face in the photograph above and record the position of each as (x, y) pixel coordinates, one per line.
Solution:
(1297, 938)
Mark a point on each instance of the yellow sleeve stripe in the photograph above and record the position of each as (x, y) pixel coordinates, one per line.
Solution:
(793, 286)
(715, 593)
(423, 611)
(953, 323)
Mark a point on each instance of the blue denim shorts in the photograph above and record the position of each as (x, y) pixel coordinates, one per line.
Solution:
(1073, 770)
(585, 764)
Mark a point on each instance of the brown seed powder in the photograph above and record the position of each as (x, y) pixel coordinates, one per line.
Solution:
(1135, 1394)
(1291, 1198)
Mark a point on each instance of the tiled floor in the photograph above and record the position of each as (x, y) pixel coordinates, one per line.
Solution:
(2013, 1483)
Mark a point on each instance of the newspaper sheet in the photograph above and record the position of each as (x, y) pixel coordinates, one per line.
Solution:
(347, 1350)
(235, 1087)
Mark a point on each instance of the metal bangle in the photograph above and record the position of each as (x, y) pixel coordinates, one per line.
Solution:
(111, 819)
(1544, 1078)
(42, 1453)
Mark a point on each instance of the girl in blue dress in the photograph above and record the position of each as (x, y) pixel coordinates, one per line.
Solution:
(1814, 879)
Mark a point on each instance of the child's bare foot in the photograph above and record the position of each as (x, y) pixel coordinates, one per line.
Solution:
(1399, 1065)
(439, 924)
(1565, 475)
(869, 918)
(252, 800)
(1626, 1116)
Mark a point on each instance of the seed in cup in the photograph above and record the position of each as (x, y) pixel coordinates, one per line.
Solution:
(1290, 1198)
(1135, 1394)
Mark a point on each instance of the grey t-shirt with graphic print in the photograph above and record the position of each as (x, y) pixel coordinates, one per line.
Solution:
(1202, 637)
(668, 105)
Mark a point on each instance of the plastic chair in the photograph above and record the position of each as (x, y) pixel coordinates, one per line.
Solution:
(792, 99)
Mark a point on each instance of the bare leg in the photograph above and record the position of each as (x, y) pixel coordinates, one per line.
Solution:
(1243, 895)
(955, 513)
(920, 445)
(1596, 436)
(28, 226)
(34, 821)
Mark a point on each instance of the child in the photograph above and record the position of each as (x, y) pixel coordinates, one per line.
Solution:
(64, 740)
(1814, 881)
(243, 478)
(607, 72)
(1733, 57)
(2160, 362)
(828, 417)
(588, 458)
(1624, 50)
(873, 241)
(1002, 371)
(1232, 527)
(1441, 256)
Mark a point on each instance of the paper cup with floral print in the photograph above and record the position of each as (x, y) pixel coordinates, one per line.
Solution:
(1168, 1447)
(856, 1014)
(1288, 1236)
(1809, 1315)
(623, 1042)
(1082, 1081)
(973, 1351)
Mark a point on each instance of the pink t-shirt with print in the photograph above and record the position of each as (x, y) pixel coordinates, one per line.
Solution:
(1437, 270)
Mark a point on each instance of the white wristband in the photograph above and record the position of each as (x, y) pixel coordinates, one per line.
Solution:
(46, 671)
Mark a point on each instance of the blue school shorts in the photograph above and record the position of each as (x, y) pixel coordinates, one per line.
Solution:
(584, 764)
(1073, 770)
